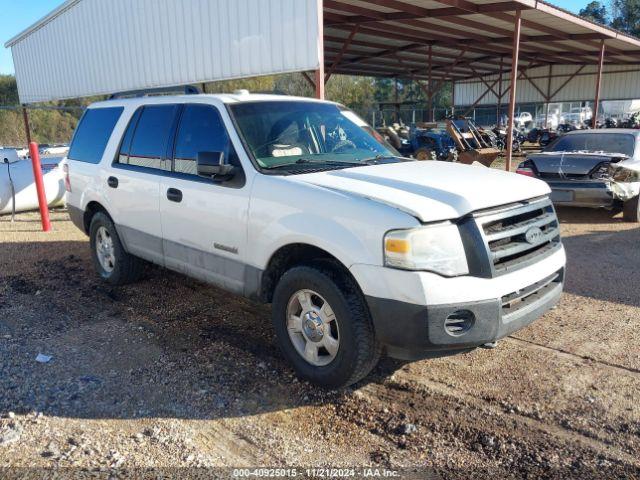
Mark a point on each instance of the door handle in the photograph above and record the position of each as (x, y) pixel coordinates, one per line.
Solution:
(112, 182)
(174, 195)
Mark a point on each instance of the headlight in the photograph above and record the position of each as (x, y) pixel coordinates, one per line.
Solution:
(436, 248)
(622, 174)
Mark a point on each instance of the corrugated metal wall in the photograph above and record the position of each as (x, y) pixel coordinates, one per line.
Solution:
(619, 83)
(100, 47)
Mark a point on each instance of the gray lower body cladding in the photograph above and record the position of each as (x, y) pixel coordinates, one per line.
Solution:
(411, 332)
(77, 217)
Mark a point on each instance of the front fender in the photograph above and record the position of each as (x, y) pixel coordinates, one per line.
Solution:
(305, 229)
(289, 211)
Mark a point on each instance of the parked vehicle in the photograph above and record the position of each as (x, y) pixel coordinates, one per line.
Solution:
(592, 168)
(17, 187)
(543, 122)
(429, 142)
(501, 139)
(294, 202)
(472, 142)
(523, 120)
(546, 137)
(50, 150)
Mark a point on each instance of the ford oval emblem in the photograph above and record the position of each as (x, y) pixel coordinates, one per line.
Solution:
(534, 235)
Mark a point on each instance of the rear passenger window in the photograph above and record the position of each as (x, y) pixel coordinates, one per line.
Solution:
(125, 147)
(201, 130)
(93, 134)
(148, 143)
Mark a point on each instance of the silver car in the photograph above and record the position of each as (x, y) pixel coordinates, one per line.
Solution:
(592, 168)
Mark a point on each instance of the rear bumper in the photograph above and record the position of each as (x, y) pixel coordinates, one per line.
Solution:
(411, 332)
(581, 194)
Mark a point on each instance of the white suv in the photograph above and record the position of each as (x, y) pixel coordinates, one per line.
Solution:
(298, 203)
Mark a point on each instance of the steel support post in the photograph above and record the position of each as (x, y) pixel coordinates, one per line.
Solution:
(27, 128)
(319, 74)
(453, 98)
(515, 58)
(596, 108)
(430, 105)
(500, 95)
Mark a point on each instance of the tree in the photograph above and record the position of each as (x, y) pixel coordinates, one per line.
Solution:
(596, 12)
(626, 16)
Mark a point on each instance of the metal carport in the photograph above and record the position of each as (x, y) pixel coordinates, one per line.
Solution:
(171, 42)
(439, 41)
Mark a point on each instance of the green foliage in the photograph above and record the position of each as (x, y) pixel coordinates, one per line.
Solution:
(626, 16)
(48, 124)
(596, 12)
(623, 15)
(54, 122)
(8, 90)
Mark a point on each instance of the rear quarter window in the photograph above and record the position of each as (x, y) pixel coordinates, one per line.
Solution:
(93, 134)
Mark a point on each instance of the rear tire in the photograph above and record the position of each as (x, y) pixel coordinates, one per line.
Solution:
(111, 261)
(357, 350)
(631, 210)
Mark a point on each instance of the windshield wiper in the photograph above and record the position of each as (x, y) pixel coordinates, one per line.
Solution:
(376, 160)
(303, 161)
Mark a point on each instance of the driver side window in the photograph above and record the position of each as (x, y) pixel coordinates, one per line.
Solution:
(201, 130)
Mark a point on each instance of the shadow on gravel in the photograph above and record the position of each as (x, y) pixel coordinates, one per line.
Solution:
(165, 347)
(605, 266)
(587, 215)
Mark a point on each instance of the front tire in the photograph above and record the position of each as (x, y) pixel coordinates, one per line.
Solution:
(631, 210)
(111, 261)
(323, 326)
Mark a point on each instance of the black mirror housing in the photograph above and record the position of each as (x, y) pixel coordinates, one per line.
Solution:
(212, 165)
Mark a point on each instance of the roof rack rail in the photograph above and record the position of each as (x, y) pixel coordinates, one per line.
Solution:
(184, 90)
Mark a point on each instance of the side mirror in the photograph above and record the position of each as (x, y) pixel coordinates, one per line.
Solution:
(212, 165)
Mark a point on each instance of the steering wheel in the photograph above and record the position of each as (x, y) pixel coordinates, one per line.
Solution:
(343, 146)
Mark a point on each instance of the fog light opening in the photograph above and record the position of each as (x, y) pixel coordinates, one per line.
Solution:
(459, 323)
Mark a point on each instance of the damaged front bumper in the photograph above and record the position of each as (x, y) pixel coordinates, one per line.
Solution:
(625, 181)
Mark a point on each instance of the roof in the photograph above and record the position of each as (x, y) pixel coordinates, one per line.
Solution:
(226, 98)
(124, 45)
(466, 38)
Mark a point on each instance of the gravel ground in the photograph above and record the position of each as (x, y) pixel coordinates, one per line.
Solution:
(173, 373)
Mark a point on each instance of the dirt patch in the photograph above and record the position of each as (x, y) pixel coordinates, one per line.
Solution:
(173, 373)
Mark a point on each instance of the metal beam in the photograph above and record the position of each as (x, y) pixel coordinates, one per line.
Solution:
(343, 51)
(515, 56)
(319, 74)
(596, 109)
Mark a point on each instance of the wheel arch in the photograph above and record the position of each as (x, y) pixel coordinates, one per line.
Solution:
(296, 254)
(90, 210)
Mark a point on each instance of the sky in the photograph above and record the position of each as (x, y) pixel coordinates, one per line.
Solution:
(17, 15)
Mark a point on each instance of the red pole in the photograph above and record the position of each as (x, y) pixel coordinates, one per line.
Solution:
(42, 197)
(515, 59)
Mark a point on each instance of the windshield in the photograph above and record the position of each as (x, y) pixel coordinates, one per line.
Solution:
(600, 142)
(284, 134)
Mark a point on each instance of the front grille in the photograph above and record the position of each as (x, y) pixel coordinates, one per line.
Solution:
(516, 301)
(519, 235)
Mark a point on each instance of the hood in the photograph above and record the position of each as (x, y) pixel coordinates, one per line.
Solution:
(578, 163)
(430, 191)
